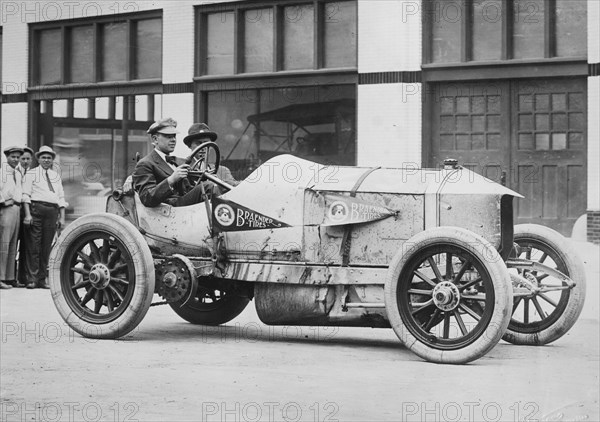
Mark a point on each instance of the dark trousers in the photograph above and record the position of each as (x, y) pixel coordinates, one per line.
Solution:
(21, 267)
(38, 241)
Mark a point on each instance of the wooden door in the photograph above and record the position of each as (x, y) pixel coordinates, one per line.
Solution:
(470, 123)
(549, 151)
(533, 131)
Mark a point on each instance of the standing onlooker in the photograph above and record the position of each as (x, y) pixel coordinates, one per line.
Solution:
(24, 165)
(11, 194)
(44, 203)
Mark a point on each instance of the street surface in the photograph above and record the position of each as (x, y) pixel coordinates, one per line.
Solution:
(168, 369)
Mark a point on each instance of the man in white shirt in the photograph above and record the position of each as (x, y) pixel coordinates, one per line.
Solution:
(44, 203)
(11, 196)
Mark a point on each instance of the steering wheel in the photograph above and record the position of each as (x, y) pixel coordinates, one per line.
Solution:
(200, 168)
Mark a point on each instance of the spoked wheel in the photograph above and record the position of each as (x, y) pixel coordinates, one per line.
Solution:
(102, 276)
(448, 296)
(546, 315)
(211, 307)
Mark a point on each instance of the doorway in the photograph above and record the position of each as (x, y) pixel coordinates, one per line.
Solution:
(528, 134)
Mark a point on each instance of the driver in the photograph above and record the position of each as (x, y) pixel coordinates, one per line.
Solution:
(199, 133)
(162, 178)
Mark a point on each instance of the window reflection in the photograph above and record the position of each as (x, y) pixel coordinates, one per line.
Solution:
(92, 163)
(258, 40)
(148, 51)
(298, 37)
(82, 50)
(316, 123)
(219, 49)
(114, 50)
(49, 62)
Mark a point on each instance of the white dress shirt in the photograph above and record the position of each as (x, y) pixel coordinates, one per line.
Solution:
(12, 184)
(35, 187)
(163, 156)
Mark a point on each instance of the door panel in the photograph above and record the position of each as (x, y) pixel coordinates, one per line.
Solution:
(548, 130)
(469, 125)
(533, 131)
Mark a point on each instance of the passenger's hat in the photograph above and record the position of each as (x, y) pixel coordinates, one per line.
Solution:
(45, 149)
(10, 150)
(199, 131)
(165, 126)
(27, 149)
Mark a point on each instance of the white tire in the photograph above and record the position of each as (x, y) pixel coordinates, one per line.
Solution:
(448, 295)
(101, 275)
(551, 315)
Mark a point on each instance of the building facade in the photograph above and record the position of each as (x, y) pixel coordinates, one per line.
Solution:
(508, 87)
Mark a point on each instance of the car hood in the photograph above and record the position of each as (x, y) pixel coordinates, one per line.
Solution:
(276, 188)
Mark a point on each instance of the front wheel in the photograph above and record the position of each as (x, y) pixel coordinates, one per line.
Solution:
(545, 316)
(101, 276)
(448, 295)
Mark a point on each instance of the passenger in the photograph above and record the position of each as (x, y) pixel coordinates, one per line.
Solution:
(199, 133)
(162, 178)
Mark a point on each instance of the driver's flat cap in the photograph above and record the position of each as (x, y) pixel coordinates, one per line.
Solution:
(166, 126)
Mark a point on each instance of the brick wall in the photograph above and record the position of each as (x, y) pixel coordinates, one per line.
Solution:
(14, 125)
(178, 41)
(389, 114)
(181, 108)
(389, 125)
(389, 35)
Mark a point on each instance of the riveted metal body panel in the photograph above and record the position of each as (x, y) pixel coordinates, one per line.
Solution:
(292, 191)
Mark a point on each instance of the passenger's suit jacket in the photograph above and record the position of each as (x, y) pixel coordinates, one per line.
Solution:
(150, 180)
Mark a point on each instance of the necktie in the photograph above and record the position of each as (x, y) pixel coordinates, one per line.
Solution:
(48, 180)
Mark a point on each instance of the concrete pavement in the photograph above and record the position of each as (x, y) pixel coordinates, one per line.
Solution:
(168, 369)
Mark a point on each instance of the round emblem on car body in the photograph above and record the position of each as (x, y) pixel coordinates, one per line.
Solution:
(224, 214)
(338, 211)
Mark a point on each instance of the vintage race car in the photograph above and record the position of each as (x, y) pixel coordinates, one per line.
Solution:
(431, 253)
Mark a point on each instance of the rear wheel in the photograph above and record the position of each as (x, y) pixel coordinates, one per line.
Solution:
(211, 306)
(101, 275)
(544, 317)
(448, 295)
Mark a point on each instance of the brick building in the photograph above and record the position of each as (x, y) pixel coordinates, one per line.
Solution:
(509, 87)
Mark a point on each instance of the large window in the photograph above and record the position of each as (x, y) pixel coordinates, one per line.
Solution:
(106, 49)
(488, 30)
(96, 141)
(274, 36)
(278, 77)
(317, 123)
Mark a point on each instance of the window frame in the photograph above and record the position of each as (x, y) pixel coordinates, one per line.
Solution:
(277, 6)
(507, 19)
(1, 49)
(65, 26)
